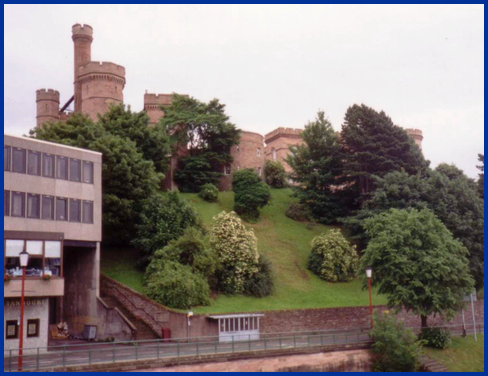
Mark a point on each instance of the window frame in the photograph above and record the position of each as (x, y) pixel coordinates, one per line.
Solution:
(13, 161)
(53, 156)
(53, 206)
(16, 193)
(30, 195)
(11, 323)
(92, 177)
(37, 322)
(39, 163)
(66, 211)
(71, 160)
(92, 219)
(71, 201)
(9, 158)
(6, 203)
(66, 159)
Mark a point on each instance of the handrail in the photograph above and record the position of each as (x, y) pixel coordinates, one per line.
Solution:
(126, 320)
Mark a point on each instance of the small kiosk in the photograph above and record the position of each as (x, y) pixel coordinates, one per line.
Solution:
(238, 327)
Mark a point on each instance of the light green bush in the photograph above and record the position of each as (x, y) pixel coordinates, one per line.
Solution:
(209, 192)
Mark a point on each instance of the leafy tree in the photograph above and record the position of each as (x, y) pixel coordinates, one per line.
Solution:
(127, 178)
(446, 191)
(374, 146)
(395, 347)
(261, 284)
(206, 131)
(417, 263)
(333, 258)
(209, 192)
(274, 174)
(163, 218)
(250, 194)
(237, 250)
(177, 286)
(318, 169)
(152, 142)
(481, 180)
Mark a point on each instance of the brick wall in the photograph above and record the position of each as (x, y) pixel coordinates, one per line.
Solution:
(157, 316)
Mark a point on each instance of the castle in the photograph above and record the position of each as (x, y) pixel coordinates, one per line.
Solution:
(99, 84)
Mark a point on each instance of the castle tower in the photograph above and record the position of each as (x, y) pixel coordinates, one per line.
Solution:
(278, 143)
(417, 136)
(153, 103)
(82, 39)
(101, 83)
(47, 106)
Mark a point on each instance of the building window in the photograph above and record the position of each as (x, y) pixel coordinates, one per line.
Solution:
(74, 170)
(227, 170)
(61, 209)
(6, 203)
(238, 149)
(52, 254)
(260, 171)
(35, 265)
(18, 159)
(88, 172)
(6, 158)
(11, 331)
(33, 328)
(13, 248)
(44, 258)
(18, 204)
(87, 212)
(48, 207)
(74, 210)
(259, 152)
(48, 165)
(274, 154)
(62, 168)
(238, 168)
(33, 206)
(34, 163)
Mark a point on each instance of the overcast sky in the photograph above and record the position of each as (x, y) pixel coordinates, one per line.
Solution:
(273, 66)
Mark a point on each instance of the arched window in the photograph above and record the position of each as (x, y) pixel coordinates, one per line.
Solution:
(274, 154)
(259, 152)
(260, 171)
(227, 170)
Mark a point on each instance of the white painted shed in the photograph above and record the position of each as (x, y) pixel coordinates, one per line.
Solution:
(238, 327)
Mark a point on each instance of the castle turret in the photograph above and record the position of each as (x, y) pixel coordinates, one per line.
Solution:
(47, 106)
(153, 103)
(417, 136)
(101, 83)
(278, 143)
(82, 39)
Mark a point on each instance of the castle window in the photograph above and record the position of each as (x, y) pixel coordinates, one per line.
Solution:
(34, 163)
(238, 149)
(227, 170)
(260, 171)
(274, 154)
(259, 152)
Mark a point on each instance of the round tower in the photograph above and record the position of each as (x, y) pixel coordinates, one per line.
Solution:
(101, 83)
(82, 39)
(417, 136)
(47, 106)
(250, 152)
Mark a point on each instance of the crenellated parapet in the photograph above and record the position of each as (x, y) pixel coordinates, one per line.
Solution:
(80, 32)
(102, 70)
(47, 95)
(283, 132)
(47, 103)
(417, 136)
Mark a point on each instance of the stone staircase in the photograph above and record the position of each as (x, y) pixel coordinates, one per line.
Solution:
(144, 332)
(431, 365)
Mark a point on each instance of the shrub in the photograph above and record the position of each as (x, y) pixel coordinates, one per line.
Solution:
(191, 249)
(209, 192)
(274, 174)
(297, 212)
(333, 258)
(261, 284)
(163, 219)
(250, 194)
(177, 286)
(438, 338)
(237, 250)
(395, 346)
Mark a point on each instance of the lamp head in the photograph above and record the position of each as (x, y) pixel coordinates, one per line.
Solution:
(369, 272)
(24, 259)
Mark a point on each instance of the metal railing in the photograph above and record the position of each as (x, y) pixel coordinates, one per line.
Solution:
(35, 359)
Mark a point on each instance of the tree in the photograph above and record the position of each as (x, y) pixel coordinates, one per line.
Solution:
(237, 250)
(206, 131)
(318, 170)
(481, 180)
(374, 146)
(250, 194)
(127, 178)
(417, 263)
(274, 174)
(447, 192)
(333, 258)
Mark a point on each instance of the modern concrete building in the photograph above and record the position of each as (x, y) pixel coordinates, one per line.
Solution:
(52, 210)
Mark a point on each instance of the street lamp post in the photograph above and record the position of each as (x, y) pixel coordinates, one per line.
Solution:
(188, 315)
(369, 274)
(24, 260)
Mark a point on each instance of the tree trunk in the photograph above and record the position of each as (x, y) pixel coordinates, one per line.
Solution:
(424, 321)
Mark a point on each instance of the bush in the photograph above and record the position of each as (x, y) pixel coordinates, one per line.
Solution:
(261, 284)
(395, 346)
(333, 258)
(164, 218)
(274, 174)
(209, 192)
(177, 286)
(250, 194)
(237, 251)
(297, 212)
(438, 338)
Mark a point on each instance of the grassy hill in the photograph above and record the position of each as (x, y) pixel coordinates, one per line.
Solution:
(285, 242)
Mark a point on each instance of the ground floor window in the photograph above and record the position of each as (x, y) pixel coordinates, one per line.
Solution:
(33, 328)
(12, 331)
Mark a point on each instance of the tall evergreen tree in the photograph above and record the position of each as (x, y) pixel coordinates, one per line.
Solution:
(481, 180)
(318, 169)
(374, 146)
(205, 129)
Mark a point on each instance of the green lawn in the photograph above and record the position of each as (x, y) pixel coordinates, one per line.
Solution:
(465, 355)
(285, 242)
